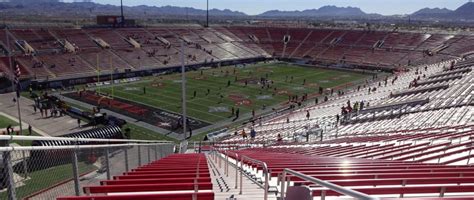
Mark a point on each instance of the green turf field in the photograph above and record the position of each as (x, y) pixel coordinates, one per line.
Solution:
(164, 91)
(4, 122)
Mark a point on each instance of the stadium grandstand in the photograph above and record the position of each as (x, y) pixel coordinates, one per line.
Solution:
(268, 109)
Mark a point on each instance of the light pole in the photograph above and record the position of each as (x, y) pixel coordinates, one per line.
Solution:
(121, 12)
(207, 14)
(183, 89)
(15, 80)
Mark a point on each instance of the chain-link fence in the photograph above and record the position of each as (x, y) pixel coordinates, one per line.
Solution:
(47, 172)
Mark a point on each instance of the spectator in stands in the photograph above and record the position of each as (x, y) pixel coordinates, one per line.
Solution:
(253, 133)
(307, 115)
(243, 134)
(279, 138)
(144, 90)
(78, 122)
(34, 108)
(337, 119)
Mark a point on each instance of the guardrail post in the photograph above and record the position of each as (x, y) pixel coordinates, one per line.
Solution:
(75, 172)
(149, 153)
(139, 156)
(125, 153)
(265, 194)
(236, 171)
(220, 161)
(241, 173)
(161, 152)
(9, 175)
(200, 146)
(288, 181)
(107, 163)
(226, 165)
(282, 185)
(156, 152)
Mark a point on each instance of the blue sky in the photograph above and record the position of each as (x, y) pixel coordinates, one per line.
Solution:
(386, 7)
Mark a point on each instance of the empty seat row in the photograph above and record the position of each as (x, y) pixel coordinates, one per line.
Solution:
(179, 176)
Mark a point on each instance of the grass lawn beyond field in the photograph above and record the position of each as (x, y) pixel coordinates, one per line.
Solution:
(231, 87)
(4, 122)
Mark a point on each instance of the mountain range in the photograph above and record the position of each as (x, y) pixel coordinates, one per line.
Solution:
(464, 13)
(323, 11)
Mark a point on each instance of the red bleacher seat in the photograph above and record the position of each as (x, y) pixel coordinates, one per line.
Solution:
(174, 196)
(175, 177)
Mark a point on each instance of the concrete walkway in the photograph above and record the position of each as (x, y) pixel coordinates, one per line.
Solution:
(46, 126)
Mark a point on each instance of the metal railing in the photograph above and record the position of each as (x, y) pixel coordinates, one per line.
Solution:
(223, 156)
(47, 172)
(333, 187)
(236, 167)
(198, 146)
(264, 171)
(42, 138)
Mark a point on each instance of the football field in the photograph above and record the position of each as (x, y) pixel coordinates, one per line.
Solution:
(211, 94)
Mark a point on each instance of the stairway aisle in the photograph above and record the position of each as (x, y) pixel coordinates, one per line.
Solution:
(224, 185)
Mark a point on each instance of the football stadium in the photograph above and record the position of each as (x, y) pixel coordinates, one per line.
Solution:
(113, 100)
